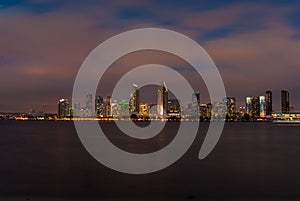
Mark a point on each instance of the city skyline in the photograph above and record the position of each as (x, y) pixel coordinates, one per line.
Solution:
(256, 106)
(162, 101)
(39, 60)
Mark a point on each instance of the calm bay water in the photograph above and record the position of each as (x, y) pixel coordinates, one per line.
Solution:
(251, 161)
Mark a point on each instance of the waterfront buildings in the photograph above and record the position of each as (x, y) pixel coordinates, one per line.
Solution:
(103, 107)
(195, 107)
(162, 99)
(255, 109)
(285, 101)
(64, 110)
(269, 103)
(262, 106)
(134, 102)
(174, 108)
(231, 108)
(89, 112)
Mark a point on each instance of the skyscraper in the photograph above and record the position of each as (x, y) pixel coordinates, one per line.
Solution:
(262, 106)
(134, 102)
(203, 110)
(99, 105)
(124, 108)
(165, 97)
(196, 104)
(285, 101)
(103, 106)
(162, 100)
(160, 109)
(63, 108)
(108, 106)
(248, 105)
(255, 110)
(231, 108)
(174, 108)
(77, 110)
(89, 105)
(144, 109)
(269, 103)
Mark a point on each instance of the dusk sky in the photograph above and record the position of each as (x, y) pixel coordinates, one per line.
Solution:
(255, 44)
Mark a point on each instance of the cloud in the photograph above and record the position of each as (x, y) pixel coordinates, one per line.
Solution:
(253, 44)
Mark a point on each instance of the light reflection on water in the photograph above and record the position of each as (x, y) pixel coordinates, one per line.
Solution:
(251, 160)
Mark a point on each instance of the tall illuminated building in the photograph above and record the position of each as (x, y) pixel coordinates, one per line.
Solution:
(159, 102)
(231, 107)
(77, 110)
(162, 100)
(269, 103)
(262, 106)
(285, 101)
(255, 109)
(116, 110)
(203, 110)
(134, 102)
(89, 105)
(165, 97)
(108, 106)
(103, 106)
(63, 108)
(209, 110)
(174, 108)
(124, 108)
(144, 109)
(99, 105)
(248, 105)
(195, 104)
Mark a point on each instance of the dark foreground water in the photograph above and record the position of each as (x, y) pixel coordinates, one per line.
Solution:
(46, 160)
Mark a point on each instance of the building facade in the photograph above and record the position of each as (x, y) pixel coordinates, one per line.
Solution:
(103, 107)
(269, 103)
(64, 110)
(174, 108)
(162, 100)
(134, 102)
(195, 107)
(285, 101)
(262, 106)
(231, 108)
(255, 109)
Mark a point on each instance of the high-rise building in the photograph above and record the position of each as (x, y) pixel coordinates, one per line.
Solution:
(203, 110)
(89, 105)
(262, 106)
(255, 110)
(134, 102)
(116, 109)
(162, 100)
(159, 102)
(219, 109)
(77, 110)
(63, 108)
(174, 108)
(231, 108)
(103, 106)
(248, 105)
(99, 105)
(144, 109)
(269, 103)
(285, 101)
(124, 108)
(209, 110)
(108, 106)
(165, 97)
(195, 104)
